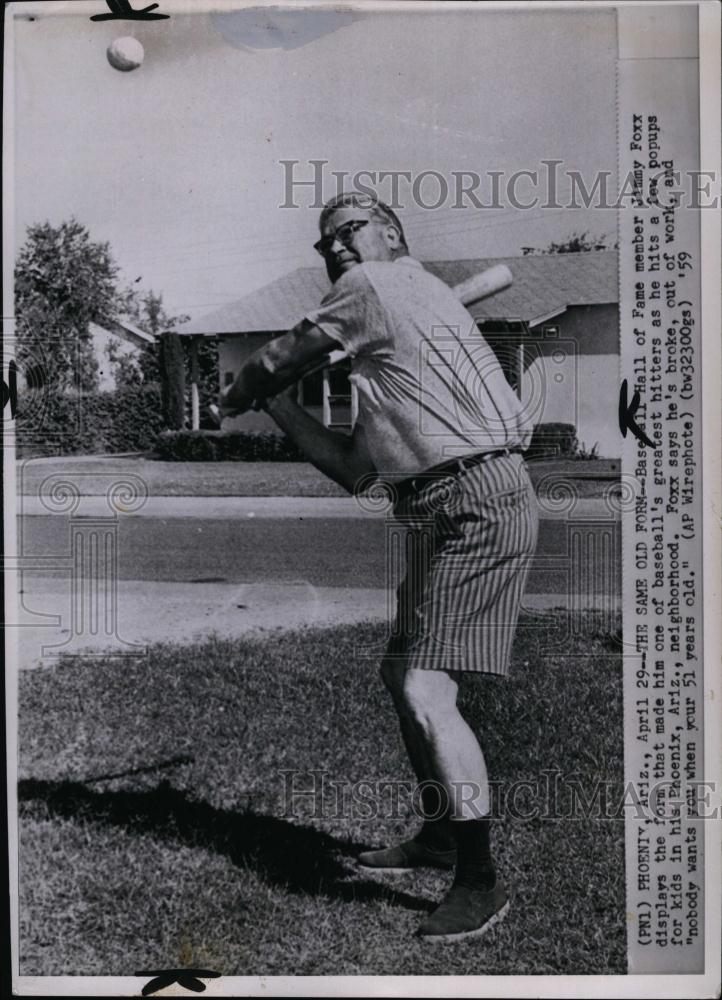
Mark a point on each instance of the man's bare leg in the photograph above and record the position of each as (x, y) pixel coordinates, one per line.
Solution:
(456, 759)
(446, 743)
(393, 675)
(444, 753)
(434, 798)
(434, 844)
(476, 899)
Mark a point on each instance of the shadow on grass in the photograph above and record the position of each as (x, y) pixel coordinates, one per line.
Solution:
(297, 858)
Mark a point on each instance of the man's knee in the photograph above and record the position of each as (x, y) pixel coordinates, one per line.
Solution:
(429, 696)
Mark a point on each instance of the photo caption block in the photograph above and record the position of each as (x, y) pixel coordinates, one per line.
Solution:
(660, 269)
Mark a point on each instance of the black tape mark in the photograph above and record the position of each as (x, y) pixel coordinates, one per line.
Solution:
(10, 390)
(626, 416)
(189, 979)
(121, 10)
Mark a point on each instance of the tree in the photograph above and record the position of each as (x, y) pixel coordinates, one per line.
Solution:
(146, 310)
(207, 370)
(576, 243)
(171, 362)
(63, 281)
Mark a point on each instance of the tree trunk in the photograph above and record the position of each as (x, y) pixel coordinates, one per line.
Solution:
(173, 380)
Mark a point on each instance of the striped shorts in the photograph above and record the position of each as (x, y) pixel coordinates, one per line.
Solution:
(470, 540)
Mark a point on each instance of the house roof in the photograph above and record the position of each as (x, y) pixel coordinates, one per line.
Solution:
(121, 326)
(132, 328)
(544, 286)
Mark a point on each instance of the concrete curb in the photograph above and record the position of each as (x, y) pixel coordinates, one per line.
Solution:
(82, 459)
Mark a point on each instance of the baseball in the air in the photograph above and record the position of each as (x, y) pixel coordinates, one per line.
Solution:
(125, 54)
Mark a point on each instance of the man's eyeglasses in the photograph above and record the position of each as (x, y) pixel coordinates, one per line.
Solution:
(344, 234)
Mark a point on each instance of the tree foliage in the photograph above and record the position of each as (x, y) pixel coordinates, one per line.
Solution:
(145, 309)
(125, 367)
(576, 243)
(63, 281)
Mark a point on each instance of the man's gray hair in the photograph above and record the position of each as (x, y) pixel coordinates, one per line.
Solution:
(366, 202)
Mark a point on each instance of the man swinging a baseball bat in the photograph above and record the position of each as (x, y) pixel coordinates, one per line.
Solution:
(439, 423)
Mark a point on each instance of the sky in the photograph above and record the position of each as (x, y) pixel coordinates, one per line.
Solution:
(177, 163)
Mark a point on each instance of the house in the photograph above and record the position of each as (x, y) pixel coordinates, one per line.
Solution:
(120, 338)
(555, 331)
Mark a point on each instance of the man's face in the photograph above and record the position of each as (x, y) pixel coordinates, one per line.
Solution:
(354, 244)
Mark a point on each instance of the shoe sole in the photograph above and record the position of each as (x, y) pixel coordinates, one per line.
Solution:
(386, 871)
(465, 935)
(403, 871)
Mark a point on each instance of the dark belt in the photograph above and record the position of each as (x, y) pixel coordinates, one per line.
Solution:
(454, 467)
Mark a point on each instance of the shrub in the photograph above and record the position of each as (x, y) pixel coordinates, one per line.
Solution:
(233, 446)
(186, 446)
(133, 417)
(50, 423)
(588, 456)
(126, 419)
(553, 440)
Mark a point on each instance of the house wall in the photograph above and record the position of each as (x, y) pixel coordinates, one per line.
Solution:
(573, 377)
(595, 328)
(101, 339)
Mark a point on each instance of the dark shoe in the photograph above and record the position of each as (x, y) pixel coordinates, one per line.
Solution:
(465, 913)
(407, 856)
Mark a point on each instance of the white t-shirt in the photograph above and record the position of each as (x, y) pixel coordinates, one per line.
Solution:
(429, 386)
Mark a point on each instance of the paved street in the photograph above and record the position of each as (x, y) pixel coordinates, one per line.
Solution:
(277, 562)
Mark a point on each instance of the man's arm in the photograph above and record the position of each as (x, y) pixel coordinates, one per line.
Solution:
(278, 364)
(342, 457)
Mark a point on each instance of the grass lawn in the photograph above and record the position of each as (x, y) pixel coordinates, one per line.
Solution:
(183, 479)
(299, 479)
(155, 833)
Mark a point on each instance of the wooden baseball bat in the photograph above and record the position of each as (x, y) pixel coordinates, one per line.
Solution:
(479, 286)
(483, 284)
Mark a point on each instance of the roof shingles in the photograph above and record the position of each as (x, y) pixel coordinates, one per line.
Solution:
(544, 285)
